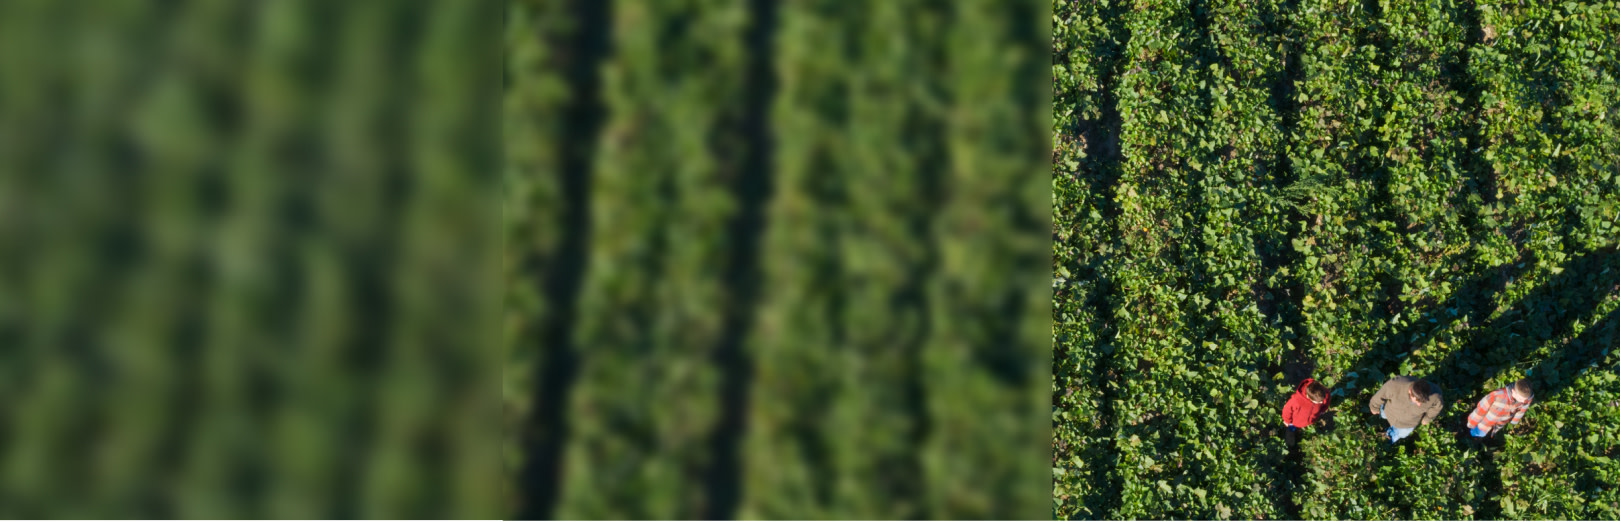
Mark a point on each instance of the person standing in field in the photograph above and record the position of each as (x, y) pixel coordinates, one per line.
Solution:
(1406, 403)
(1309, 401)
(1506, 405)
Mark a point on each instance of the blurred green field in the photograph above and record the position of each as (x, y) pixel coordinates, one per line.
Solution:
(240, 251)
(1251, 192)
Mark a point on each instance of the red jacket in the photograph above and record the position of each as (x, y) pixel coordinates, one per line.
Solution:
(1300, 411)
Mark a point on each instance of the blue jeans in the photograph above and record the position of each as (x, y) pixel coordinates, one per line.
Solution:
(1393, 432)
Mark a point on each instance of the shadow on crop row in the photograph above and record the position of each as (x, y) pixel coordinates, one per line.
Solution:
(544, 432)
(1547, 313)
(1100, 175)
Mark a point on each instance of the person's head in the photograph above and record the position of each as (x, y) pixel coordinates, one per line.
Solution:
(1420, 391)
(1522, 390)
(1316, 393)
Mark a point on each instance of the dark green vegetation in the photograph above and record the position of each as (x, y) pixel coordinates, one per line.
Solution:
(1250, 192)
(776, 260)
(239, 251)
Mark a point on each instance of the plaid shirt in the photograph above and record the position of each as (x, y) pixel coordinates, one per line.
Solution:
(1497, 408)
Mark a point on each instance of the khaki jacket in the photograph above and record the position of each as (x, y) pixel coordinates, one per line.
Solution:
(1399, 409)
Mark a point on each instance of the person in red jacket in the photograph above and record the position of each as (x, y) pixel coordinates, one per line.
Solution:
(1309, 401)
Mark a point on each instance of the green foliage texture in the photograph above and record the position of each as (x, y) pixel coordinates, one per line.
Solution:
(1250, 192)
(248, 253)
(776, 259)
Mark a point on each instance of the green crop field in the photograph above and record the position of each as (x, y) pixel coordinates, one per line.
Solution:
(776, 260)
(1251, 192)
(761, 259)
(239, 251)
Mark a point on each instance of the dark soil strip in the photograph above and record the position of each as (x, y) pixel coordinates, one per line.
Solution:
(1102, 135)
(1102, 176)
(1281, 302)
(1374, 170)
(925, 137)
(1191, 250)
(544, 433)
(1479, 176)
(751, 128)
(909, 477)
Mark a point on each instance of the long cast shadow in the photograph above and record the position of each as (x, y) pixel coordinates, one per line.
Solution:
(1553, 375)
(1483, 353)
(1546, 312)
(1471, 303)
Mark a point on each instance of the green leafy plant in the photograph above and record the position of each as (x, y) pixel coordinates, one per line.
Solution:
(1344, 190)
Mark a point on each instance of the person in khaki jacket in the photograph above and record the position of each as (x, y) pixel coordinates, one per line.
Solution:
(1407, 403)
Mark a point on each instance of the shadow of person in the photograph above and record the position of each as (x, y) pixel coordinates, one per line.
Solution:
(1547, 312)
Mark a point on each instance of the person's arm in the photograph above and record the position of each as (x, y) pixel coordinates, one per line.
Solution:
(1519, 413)
(1379, 398)
(1482, 409)
(1290, 409)
(1431, 412)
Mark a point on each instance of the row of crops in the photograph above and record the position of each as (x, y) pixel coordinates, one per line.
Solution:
(775, 260)
(1247, 193)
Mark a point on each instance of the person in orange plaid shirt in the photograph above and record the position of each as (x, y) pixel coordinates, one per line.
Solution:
(1506, 405)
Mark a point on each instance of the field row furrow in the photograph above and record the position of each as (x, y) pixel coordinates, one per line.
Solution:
(1346, 191)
